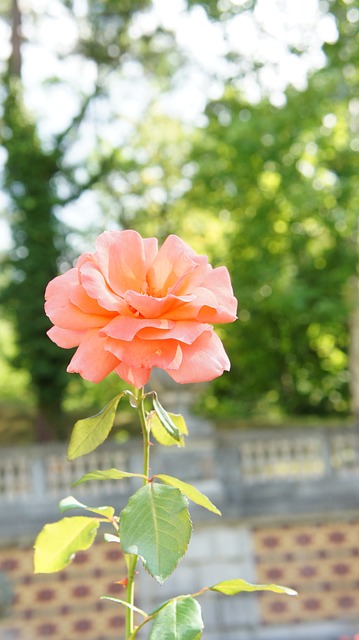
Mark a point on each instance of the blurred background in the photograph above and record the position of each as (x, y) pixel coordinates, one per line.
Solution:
(234, 124)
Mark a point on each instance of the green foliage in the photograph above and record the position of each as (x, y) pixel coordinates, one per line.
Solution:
(166, 421)
(125, 604)
(108, 474)
(274, 196)
(38, 243)
(69, 503)
(180, 619)
(155, 525)
(106, 38)
(233, 587)
(221, 11)
(57, 543)
(188, 490)
(161, 434)
(39, 177)
(89, 433)
(14, 383)
(284, 181)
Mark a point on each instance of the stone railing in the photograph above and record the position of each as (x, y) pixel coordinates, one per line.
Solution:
(240, 469)
(289, 501)
(298, 455)
(43, 473)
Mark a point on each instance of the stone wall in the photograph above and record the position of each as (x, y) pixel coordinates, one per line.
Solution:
(290, 505)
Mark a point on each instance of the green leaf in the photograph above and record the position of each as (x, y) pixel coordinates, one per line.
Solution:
(109, 537)
(180, 619)
(191, 492)
(156, 525)
(57, 543)
(125, 604)
(165, 419)
(89, 433)
(161, 434)
(232, 587)
(70, 502)
(107, 474)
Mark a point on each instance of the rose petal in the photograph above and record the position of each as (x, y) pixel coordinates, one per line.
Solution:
(61, 283)
(174, 261)
(150, 307)
(202, 361)
(127, 327)
(60, 309)
(151, 250)
(183, 331)
(130, 307)
(91, 360)
(80, 298)
(84, 258)
(65, 338)
(124, 258)
(133, 375)
(165, 354)
(96, 287)
(214, 301)
(218, 282)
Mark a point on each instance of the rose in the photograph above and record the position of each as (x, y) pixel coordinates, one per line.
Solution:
(129, 307)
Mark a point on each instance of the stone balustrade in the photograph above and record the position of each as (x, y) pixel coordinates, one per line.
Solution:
(290, 509)
(242, 469)
(261, 456)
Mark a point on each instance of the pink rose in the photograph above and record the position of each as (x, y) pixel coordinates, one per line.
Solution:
(129, 307)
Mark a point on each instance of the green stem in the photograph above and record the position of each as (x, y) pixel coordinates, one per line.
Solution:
(130, 592)
(133, 558)
(146, 441)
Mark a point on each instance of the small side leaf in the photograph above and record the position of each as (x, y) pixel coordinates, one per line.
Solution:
(191, 492)
(165, 419)
(66, 504)
(109, 537)
(179, 620)
(160, 433)
(89, 433)
(232, 587)
(57, 543)
(155, 525)
(125, 604)
(107, 474)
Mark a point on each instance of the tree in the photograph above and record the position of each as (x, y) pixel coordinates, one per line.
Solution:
(284, 182)
(37, 245)
(41, 180)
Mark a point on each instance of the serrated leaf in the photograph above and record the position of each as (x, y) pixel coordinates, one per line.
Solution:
(232, 587)
(191, 492)
(156, 525)
(89, 433)
(165, 419)
(180, 619)
(107, 474)
(70, 502)
(57, 543)
(160, 433)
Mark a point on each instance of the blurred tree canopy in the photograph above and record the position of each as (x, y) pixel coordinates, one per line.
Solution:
(285, 182)
(39, 181)
(269, 191)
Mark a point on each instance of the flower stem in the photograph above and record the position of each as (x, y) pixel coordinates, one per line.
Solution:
(130, 592)
(133, 558)
(146, 440)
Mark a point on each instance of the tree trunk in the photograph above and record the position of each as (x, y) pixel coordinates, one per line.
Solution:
(15, 58)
